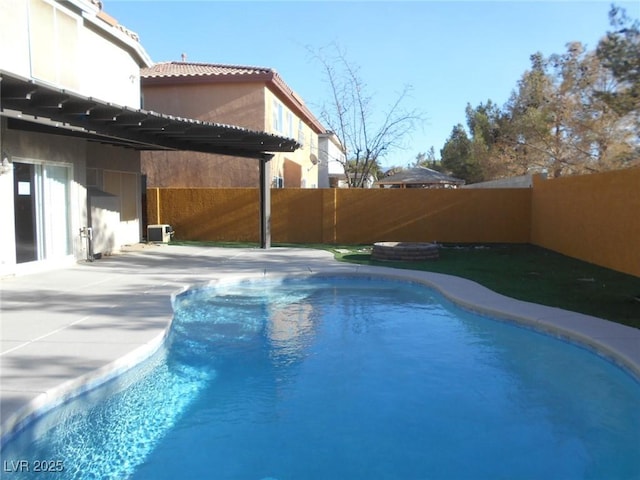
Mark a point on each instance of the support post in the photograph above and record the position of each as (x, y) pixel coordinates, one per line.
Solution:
(265, 201)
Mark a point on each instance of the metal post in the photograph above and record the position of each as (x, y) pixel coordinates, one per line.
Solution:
(265, 201)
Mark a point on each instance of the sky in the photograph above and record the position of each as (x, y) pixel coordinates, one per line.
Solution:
(449, 53)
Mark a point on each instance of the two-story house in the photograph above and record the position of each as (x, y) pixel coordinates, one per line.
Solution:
(251, 97)
(71, 132)
(53, 56)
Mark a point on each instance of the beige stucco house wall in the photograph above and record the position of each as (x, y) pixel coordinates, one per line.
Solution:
(73, 45)
(49, 191)
(249, 97)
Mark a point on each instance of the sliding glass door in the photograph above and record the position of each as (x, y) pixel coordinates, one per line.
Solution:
(24, 190)
(57, 239)
(41, 200)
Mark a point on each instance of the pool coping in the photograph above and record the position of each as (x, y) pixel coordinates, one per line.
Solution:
(618, 343)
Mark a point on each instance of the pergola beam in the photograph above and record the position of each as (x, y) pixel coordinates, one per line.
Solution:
(34, 106)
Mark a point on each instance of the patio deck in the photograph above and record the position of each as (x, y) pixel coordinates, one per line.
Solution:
(66, 329)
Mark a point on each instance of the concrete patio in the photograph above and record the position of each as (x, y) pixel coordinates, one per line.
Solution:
(68, 329)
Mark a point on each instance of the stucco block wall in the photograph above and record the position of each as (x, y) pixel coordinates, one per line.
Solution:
(416, 215)
(591, 217)
(595, 218)
(345, 216)
(240, 104)
(359, 216)
(206, 214)
(233, 104)
(198, 170)
(297, 215)
(109, 157)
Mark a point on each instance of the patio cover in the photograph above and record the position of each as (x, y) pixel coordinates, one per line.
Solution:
(36, 106)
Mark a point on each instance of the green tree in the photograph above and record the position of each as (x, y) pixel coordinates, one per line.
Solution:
(484, 123)
(421, 159)
(558, 122)
(619, 52)
(573, 112)
(428, 160)
(529, 118)
(457, 156)
(365, 178)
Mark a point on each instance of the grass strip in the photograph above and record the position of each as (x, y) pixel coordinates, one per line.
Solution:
(532, 274)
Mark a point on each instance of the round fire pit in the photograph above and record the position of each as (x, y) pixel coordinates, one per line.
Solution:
(404, 251)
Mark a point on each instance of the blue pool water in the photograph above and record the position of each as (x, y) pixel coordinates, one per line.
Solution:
(338, 378)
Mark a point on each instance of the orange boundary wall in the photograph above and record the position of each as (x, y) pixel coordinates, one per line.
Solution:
(346, 216)
(595, 218)
(219, 214)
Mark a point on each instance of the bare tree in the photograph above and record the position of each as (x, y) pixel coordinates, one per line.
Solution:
(351, 115)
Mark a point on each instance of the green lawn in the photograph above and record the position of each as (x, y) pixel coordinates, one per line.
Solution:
(531, 273)
(525, 272)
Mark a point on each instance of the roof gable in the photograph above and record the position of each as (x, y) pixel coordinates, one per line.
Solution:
(177, 73)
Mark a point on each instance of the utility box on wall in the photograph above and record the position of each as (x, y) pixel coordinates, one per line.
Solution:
(159, 233)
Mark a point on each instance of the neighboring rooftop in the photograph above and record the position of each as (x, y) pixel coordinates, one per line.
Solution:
(419, 177)
(192, 69)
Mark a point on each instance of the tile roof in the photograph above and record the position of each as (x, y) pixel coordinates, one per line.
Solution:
(194, 72)
(191, 69)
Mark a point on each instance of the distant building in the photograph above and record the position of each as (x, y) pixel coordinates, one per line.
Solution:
(251, 97)
(332, 158)
(419, 177)
(71, 132)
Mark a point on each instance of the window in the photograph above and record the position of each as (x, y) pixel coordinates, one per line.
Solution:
(125, 186)
(277, 116)
(289, 124)
(314, 146)
(301, 132)
(54, 43)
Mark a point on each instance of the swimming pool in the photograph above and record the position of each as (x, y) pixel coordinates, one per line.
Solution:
(345, 378)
